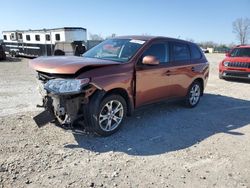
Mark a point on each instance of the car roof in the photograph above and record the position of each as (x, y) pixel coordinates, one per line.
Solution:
(147, 38)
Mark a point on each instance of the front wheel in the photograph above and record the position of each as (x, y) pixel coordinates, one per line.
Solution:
(193, 95)
(112, 110)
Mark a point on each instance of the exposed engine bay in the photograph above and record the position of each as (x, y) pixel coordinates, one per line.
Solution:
(62, 107)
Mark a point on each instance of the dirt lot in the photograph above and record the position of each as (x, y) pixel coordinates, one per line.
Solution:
(164, 145)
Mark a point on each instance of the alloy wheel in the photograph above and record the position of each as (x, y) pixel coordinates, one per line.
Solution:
(111, 115)
(195, 93)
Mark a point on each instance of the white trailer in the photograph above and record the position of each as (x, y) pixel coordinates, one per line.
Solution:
(42, 41)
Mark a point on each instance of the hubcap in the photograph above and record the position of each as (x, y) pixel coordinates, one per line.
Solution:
(111, 115)
(194, 94)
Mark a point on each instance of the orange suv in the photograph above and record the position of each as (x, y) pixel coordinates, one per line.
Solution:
(95, 92)
(236, 64)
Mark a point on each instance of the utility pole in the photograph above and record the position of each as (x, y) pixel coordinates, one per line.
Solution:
(51, 46)
(46, 52)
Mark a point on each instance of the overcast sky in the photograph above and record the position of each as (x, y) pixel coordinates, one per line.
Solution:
(209, 20)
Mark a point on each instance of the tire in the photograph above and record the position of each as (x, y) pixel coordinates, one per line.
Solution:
(102, 118)
(220, 76)
(13, 54)
(193, 95)
(59, 53)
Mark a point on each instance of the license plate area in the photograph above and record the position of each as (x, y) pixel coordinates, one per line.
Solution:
(43, 118)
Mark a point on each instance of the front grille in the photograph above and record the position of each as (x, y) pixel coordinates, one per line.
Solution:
(44, 77)
(239, 64)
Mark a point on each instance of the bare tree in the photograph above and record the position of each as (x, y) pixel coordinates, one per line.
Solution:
(95, 37)
(111, 36)
(208, 44)
(189, 39)
(242, 29)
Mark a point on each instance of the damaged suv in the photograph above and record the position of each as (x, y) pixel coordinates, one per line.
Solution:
(97, 91)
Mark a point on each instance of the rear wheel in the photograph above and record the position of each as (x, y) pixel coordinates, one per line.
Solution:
(194, 94)
(59, 52)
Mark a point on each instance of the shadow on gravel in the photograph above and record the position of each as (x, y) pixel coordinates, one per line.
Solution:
(246, 81)
(11, 60)
(165, 127)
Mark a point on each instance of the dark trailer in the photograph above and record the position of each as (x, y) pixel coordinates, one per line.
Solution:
(34, 43)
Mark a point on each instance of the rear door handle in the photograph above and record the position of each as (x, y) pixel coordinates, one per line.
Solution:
(168, 73)
(192, 69)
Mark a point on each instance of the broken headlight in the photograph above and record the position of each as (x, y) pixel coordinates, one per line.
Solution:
(66, 86)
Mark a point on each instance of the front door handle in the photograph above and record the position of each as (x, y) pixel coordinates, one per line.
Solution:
(168, 73)
(192, 69)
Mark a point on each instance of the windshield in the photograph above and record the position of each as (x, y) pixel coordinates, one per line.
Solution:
(240, 52)
(115, 49)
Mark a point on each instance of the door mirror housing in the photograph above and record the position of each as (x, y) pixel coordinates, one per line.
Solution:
(150, 60)
(228, 54)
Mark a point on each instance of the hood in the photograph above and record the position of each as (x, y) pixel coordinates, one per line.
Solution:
(238, 59)
(66, 64)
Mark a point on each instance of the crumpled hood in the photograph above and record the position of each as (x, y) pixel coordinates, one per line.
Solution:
(66, 64)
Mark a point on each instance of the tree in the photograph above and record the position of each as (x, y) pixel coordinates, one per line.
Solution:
(95, 37)
(241, 27)
(111, 36)
(190, 39)
(208, 44)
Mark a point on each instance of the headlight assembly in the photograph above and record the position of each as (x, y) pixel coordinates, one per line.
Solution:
(226, 63)
(66, 86)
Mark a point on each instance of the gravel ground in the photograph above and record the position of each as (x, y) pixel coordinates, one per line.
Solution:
(162, 145)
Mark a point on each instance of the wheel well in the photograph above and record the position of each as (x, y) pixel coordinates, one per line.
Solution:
(124, 94)
(200, 80)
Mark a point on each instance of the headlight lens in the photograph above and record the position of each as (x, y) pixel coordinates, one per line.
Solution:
(66, 86)
(226, 63)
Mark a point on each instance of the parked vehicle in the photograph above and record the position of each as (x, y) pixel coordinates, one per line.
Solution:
(236, 64)
(204, 50)
(76, 48)
(2, 53)
(112, 79)
(40, 42)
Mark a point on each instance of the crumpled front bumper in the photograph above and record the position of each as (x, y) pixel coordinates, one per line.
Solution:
(63, 110)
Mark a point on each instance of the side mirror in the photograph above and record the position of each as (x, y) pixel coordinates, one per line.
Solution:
(150, 60)
(227, 54)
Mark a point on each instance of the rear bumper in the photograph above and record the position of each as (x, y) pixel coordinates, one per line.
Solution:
(235, 74)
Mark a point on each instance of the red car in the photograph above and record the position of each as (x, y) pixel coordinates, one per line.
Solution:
(236, 64)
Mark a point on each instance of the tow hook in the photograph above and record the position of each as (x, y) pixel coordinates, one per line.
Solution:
(40, 106)
(67, 126)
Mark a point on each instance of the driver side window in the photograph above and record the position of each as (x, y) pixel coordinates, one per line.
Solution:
(158, 50)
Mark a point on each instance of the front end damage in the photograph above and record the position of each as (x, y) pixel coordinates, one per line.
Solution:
(63, 100)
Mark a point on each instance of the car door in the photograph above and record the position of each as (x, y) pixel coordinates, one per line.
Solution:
(182, 69)
(152, 81)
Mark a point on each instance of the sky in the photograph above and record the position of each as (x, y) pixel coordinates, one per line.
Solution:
(199, 20)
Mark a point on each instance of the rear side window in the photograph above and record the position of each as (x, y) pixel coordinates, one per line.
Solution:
(57, 37)
(20, 36)
(28, 37)
(37, 37)
(47, 37)
(195, 52)
(160, 51)
(5, 37)
(180, 52)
